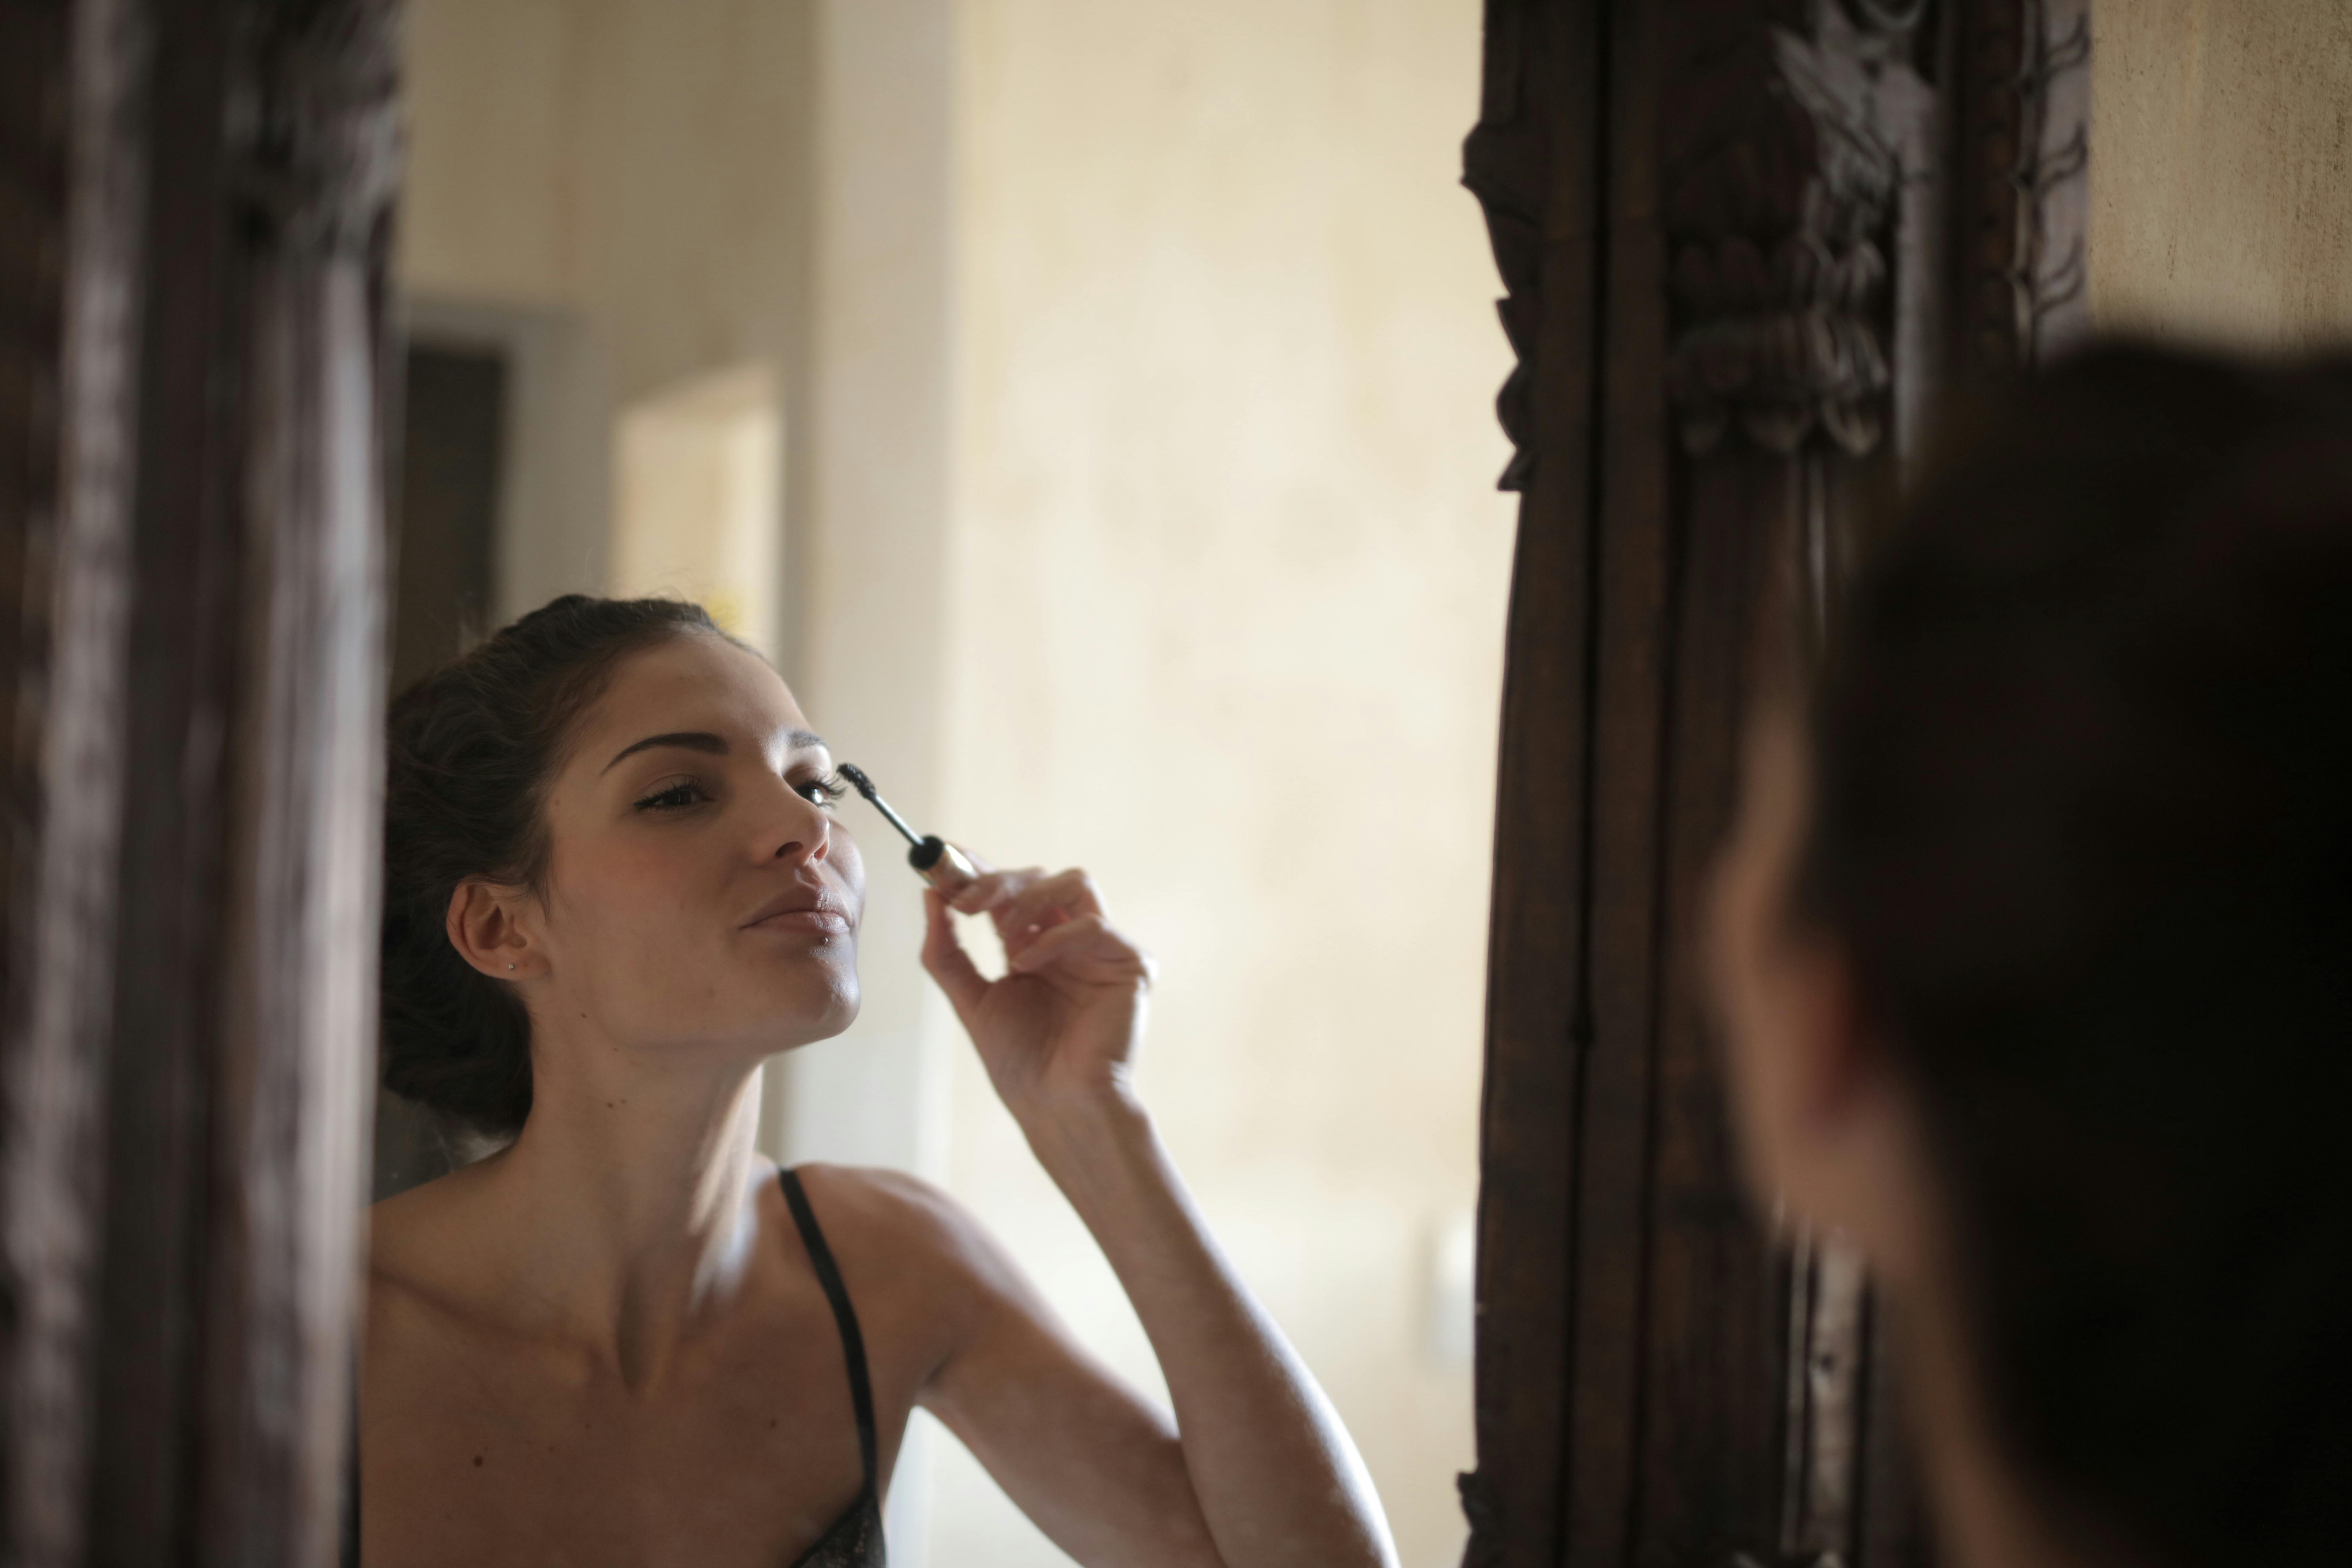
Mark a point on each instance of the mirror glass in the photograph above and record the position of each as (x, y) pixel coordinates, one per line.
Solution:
(1088, 409)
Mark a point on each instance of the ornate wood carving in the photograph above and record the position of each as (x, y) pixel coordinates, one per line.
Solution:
(1780, 199)
(2021, 86)
(1746, 244)
(197, 695)
(1505, 162)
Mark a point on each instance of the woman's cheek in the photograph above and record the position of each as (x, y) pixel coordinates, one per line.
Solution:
(849, 865)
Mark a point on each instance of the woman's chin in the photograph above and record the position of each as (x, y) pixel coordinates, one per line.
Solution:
(842, 1014)
(824, 1016)
(816, 995)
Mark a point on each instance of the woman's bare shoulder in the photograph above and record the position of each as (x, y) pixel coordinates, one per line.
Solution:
(897, 1227)
(421, 1241)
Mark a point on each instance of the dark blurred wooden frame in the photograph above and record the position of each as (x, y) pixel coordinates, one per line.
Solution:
(1747, 245)
(194, 204)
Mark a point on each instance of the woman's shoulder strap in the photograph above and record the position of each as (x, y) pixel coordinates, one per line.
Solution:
(845, 1315)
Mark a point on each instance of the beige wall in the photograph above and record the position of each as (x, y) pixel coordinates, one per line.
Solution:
(2221, 171)
(638, 163)
(486, 214)
(1226, 627)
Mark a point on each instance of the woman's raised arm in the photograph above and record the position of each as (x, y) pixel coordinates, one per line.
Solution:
(1258, 1460)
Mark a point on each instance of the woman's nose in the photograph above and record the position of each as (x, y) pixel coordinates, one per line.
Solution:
(798, 830)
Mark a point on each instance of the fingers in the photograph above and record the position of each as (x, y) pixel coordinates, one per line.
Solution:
(1086, 948)
(948, 963)
(1031, 904)
(991, 887)
(1025, 892)
(1068, 894)
(1024, 903)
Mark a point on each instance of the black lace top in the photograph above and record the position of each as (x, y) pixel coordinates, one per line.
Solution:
(855, 1539)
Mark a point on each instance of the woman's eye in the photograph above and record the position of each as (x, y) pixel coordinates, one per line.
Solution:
(822, 791)
(677, 797)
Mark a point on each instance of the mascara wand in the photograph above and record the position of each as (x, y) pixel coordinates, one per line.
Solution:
(939, 863)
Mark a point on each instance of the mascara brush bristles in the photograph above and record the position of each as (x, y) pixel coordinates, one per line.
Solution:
(865, 787)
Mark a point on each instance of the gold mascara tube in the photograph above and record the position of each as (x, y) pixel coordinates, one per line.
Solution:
(939, 862)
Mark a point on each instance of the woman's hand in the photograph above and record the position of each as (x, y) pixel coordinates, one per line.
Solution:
(1060, 1031)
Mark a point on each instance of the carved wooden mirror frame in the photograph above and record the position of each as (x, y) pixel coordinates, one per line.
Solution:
(195, 217)
(1746, 244)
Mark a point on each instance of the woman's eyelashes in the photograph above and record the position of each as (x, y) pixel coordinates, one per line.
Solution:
(678, 794)
(675, 796)
(823, 792)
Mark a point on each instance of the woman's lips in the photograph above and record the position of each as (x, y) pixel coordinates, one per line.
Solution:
(819, 922)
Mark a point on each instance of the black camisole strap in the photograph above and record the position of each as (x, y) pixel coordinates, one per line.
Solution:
(852, 1343)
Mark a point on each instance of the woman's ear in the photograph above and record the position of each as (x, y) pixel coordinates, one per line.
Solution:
(488, 926)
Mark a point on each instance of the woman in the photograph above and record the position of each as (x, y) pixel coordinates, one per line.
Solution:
(615, 885)
(2034, 947)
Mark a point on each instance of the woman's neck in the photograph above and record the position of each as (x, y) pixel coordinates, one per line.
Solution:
(628, 1195)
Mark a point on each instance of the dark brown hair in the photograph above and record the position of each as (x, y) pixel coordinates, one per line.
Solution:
(472, 748)
(2081, 754)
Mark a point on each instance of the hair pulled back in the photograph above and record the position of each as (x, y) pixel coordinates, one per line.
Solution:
(2082, 758)
(472, 748)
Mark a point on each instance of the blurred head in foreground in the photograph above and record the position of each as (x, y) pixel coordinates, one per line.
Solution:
(2033, 945)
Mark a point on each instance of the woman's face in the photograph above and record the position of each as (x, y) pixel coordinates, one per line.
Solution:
(1754, 969)
(1806, 1094)
(1825, 1121)
(700, 892)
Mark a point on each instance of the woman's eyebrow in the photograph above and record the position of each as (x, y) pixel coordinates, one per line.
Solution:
(690, 739)
(704, 740)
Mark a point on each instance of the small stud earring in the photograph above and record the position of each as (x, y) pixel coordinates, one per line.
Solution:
(510, 966)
